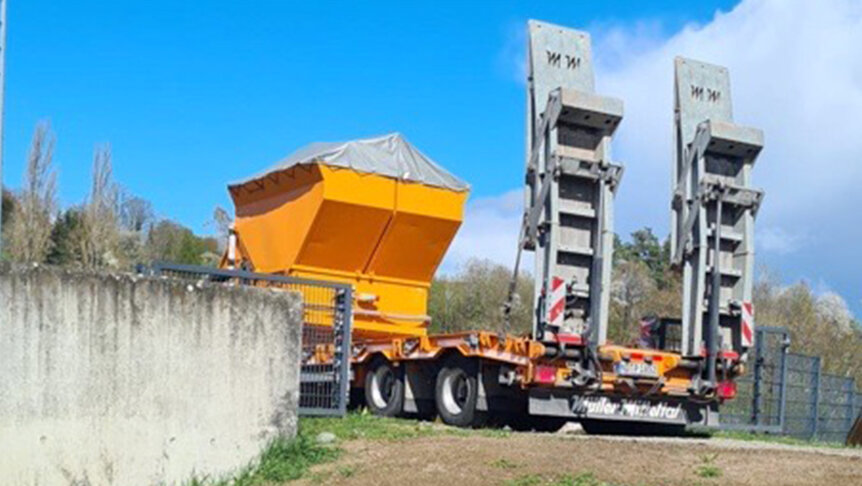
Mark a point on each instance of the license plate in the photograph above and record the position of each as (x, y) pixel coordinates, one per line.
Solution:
(636, 369)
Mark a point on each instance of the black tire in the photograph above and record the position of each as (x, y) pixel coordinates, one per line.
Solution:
(384, 389)
(457, 392)
(616, 427)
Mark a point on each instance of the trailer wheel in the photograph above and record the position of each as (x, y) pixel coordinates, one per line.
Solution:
(457, 391)
(384, 389)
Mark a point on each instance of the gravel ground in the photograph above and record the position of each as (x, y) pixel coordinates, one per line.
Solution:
(533, 458)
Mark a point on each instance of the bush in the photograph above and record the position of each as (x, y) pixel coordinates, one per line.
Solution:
(474, 297)
(819, 325)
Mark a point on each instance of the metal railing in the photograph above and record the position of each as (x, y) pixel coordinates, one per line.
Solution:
(326, 326)
(788, 393)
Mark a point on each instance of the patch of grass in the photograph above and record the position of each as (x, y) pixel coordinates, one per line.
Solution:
(347, 471)
(282, 460)
(492, 433)
(286, 460)
(527, 480)
(707, 468)
(363, 425)
(583, 479)
(708, 471)
(504, 463)
(775, 439)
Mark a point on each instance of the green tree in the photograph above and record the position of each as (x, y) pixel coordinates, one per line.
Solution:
(646, 248)
(8, 204)
(64, 251)
(642, 283)
(171, 242)
(8, 209)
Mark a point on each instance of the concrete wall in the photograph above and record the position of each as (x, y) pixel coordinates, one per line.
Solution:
(115, 379)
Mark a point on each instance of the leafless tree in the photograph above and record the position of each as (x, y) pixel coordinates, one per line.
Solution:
(630, 287)
(136, 213)
(473, 299)
(29, 233)
(135, 216)
(832, 309)
(222, 221)
(818, 325)
(98, 235)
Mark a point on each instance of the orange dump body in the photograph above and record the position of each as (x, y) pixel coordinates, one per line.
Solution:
(385, 236)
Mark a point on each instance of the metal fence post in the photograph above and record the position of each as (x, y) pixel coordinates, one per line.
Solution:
(758, 378)
(815, 385)
(850, 384)
(782, 393)
(344, 307)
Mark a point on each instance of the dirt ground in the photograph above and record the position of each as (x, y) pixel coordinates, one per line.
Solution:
(527, 458)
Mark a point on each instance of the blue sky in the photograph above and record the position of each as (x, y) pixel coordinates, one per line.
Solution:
(192, 97)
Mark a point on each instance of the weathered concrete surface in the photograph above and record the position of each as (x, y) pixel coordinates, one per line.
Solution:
(115, 379)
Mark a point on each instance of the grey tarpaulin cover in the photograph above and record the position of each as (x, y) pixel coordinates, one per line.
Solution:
(389, 155)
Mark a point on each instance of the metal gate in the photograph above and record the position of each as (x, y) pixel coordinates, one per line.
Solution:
(788, 393)
(761, 403)
(326, 326)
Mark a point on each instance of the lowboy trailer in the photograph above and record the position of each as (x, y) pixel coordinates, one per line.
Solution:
(379, 215)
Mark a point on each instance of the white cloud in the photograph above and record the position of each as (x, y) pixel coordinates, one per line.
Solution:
(490, 231)
(796, 73)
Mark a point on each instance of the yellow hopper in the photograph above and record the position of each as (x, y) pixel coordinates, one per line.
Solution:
(375, 213)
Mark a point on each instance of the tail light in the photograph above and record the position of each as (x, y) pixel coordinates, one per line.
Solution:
(726, 390)
(545, 374)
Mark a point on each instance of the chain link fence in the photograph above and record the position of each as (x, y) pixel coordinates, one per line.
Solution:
(326, 326)
(787, 393)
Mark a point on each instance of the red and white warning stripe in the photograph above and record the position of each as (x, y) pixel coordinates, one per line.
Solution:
(747, 324)
(557, 302)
